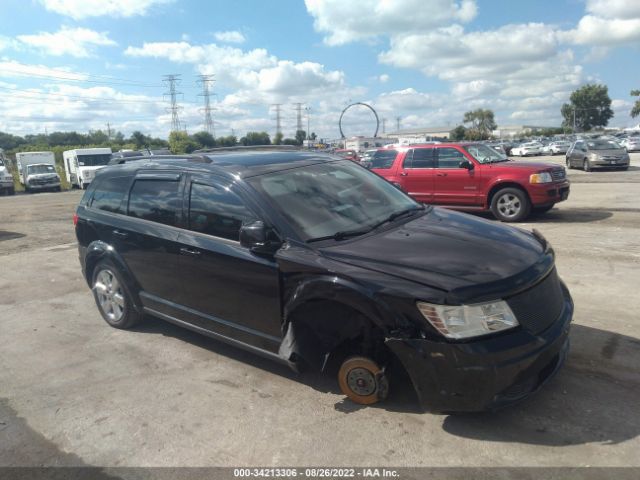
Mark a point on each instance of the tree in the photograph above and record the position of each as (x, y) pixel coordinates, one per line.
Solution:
(290, 141)
(588, 107)
(256, 138)
(229, 141)
(458, 133)
(140, 140)
(635, 111)
(301, 136)
(482, 122)
(205, 139)
(180, 142)
(277, 139)
(313, 136)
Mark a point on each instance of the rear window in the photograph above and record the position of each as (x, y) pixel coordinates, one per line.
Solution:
(156, 200)
(109, 194)
(382, 159)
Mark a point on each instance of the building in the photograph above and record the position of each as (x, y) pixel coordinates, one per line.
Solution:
(510, 131)
(360, 144)
(420, 135)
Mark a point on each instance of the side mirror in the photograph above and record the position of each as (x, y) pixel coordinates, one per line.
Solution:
(466, 164)
(258, 238)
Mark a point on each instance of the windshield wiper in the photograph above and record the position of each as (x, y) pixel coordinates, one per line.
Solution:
(356, 233)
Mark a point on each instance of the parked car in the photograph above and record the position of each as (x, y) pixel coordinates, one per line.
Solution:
(6, 179)
(348, 154)
(632, 144)
(596, 153)
(312, 260)
(474, 177)
(527, 149)
(556, 148)
(367, 155)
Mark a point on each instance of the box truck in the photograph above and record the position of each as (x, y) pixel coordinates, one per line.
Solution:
(81, 164)
(37, 171)
(6, 179)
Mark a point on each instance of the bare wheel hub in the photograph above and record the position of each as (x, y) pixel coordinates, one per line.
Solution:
(361, 381)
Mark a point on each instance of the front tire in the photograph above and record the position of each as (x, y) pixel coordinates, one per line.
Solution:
(586, 166)
(112, 297)
(510, 205)
(363, 381)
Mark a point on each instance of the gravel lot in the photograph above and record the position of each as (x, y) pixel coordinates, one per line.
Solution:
(74, 391)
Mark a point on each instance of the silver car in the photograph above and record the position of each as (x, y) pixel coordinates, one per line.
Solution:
(597, 153)
(632, 144)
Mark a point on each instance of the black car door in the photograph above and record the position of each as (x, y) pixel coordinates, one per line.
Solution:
(225, 288)
(146, 237)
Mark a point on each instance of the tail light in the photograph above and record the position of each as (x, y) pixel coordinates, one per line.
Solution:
(75, 219)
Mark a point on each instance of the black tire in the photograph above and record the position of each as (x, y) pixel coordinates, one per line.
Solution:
(113, 297)
(586, 166)
(510, 205)
(12, 191)
(624, 168)
(568, 162)
(542, 209)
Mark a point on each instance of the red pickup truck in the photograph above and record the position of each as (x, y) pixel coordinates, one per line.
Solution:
(474, 177)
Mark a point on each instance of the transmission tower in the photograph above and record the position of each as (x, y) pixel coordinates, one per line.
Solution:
(206, 81)
(398, 123)
(172, 81)
(278, 117)
(299, 116)
(384, 125)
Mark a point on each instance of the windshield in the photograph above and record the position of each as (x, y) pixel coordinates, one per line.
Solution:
(94, 160)
(603, 145)
(484, 154)
(37, 169)
(327, 198)
(382, 159)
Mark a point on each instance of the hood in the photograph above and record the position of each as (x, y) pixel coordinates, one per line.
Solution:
(43, 175)
(530, 165)
(451, 251)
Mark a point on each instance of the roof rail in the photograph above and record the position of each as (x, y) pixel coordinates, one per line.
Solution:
(157, 158)
(247, 148)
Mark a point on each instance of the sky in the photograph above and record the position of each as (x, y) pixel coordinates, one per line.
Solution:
(96, 64)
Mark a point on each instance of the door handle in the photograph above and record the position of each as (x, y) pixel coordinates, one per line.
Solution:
(403, 174)
(120, 234)
(189, 251)
(442, 174)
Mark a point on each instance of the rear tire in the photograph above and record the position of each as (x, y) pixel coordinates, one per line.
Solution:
(569, 166)
(510, 205)
(112, 297)
(363, 381)
(586, 166)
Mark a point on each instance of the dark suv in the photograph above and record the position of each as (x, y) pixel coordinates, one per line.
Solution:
(312, 260)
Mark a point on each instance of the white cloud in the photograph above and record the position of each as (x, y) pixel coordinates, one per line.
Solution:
(355, 20)
(11, 68)
(384, 78)
(77, 42)
(592, 30)
(79, 9)
(232, 36)
(614, 8)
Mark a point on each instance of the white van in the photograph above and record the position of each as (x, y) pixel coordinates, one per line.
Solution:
(37, 171)
(80, 164)
(6, 179)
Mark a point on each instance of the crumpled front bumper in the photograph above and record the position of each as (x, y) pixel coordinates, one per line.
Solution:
(485, 374)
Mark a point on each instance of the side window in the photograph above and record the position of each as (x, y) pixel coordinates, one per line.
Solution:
(217, 211)
(109, 193)
(449, 157)
(156, 200)
(420, 158)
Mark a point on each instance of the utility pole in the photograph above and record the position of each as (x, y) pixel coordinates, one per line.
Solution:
(108, 130)
(308, 110)
(299, 116)
(206, 81)
(398, 118)
(278, 117)
(172, 81)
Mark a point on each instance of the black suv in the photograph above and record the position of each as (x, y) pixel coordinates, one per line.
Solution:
(311, 259)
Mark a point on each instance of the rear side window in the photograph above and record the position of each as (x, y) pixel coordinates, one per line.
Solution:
(450, 158)
(156, 200)
(420, 158)
(383, 159)
(109, 193)
(217, 211)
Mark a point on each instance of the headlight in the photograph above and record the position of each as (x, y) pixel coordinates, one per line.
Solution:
(544, 177)
(465, 321)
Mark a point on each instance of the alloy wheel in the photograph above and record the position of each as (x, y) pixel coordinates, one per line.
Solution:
(509, 205)
(110, 295)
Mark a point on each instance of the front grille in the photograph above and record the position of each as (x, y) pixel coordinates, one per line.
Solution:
(558, 175)
(537, 308)
(610, 157)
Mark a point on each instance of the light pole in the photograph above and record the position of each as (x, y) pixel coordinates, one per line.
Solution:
(308, 110)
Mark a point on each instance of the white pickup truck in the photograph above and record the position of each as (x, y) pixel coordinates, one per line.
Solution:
(37, 171)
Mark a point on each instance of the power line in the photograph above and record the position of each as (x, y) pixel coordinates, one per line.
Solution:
(172, 80)
(108, 80)
(206, 81)
(30, 93)
(278, 118)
